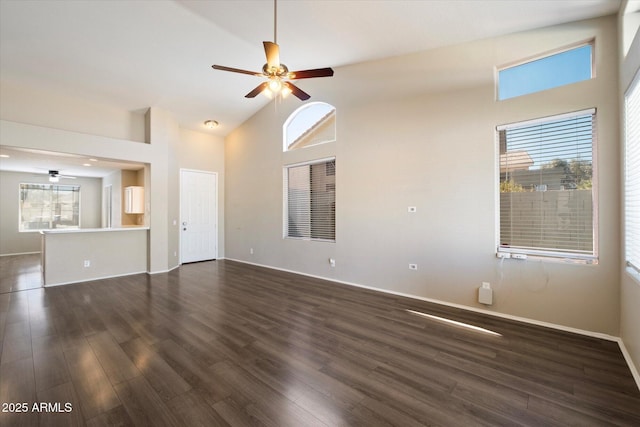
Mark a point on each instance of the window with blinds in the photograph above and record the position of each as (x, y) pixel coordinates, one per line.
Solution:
(47, 206)
(310, 200)
(546, 186)
(632, 174)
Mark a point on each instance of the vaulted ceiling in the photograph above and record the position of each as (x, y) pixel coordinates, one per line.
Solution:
(135, 54)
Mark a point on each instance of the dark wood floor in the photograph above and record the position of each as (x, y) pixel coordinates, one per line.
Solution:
(20, 272)
(222, 343)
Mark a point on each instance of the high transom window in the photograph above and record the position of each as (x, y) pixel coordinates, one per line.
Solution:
(313, 123)
(547, 72)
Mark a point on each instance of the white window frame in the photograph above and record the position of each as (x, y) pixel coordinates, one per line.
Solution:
(50, 189)
(541, 56)
(550, 254)
(293, 116)
(632, 177)
(285, 198)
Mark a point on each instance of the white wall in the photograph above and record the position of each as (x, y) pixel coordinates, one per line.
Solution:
(421, 132)
(14, 242)
(630, 284)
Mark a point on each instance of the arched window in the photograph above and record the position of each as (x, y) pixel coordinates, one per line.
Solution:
(313, 123)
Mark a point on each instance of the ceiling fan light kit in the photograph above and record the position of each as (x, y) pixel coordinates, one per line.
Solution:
(54, 176)
(278, 77)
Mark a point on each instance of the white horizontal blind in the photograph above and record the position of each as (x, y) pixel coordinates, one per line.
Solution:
(310, 200)
(546, 186)
(632, 174)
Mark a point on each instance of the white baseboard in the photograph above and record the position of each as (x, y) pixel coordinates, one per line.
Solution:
(632, 366)
(21, 253)
(607, 337)
(151, 273)
(449, 304)
(92, 279)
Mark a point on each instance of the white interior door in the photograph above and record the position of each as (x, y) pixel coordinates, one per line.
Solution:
(198, 216)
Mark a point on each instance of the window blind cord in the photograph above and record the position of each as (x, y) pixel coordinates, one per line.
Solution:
(503, 294)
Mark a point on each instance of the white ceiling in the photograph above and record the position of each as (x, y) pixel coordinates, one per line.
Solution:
(135, 54)
(40, 162)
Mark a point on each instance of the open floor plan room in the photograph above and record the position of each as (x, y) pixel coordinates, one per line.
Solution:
(320, 213)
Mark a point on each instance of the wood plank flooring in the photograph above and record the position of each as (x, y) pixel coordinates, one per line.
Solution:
(221, 343)
(20, 272)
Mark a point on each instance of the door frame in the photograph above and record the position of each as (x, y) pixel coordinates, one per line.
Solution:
(215, 213)
(107, 206)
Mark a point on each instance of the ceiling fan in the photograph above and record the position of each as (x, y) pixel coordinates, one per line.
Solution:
(54, 176)
(277, 74)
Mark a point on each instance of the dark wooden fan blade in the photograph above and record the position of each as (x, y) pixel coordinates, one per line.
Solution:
(302, 95)
(235, 70)
(257, 90)
(308, 74)
(272, 51)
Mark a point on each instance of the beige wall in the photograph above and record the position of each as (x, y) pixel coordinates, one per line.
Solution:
(38, 106)
(425, 137)
(630, 284)
(109, 253)
(14, 242)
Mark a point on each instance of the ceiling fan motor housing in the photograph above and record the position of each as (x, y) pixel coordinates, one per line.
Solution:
(281, 71)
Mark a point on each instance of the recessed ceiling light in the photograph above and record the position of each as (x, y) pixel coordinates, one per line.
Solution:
(5, 156)
(93, 160)
(86, 164)
(211, 124)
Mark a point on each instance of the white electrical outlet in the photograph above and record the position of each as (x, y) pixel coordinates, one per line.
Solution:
(87, 263)
(413, 266)
(332, 262)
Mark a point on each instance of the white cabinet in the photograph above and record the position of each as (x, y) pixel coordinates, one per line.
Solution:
(134, 200)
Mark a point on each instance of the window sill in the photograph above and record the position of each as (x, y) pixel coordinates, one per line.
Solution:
(634, 274)
(518, 256)
(307, 239)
